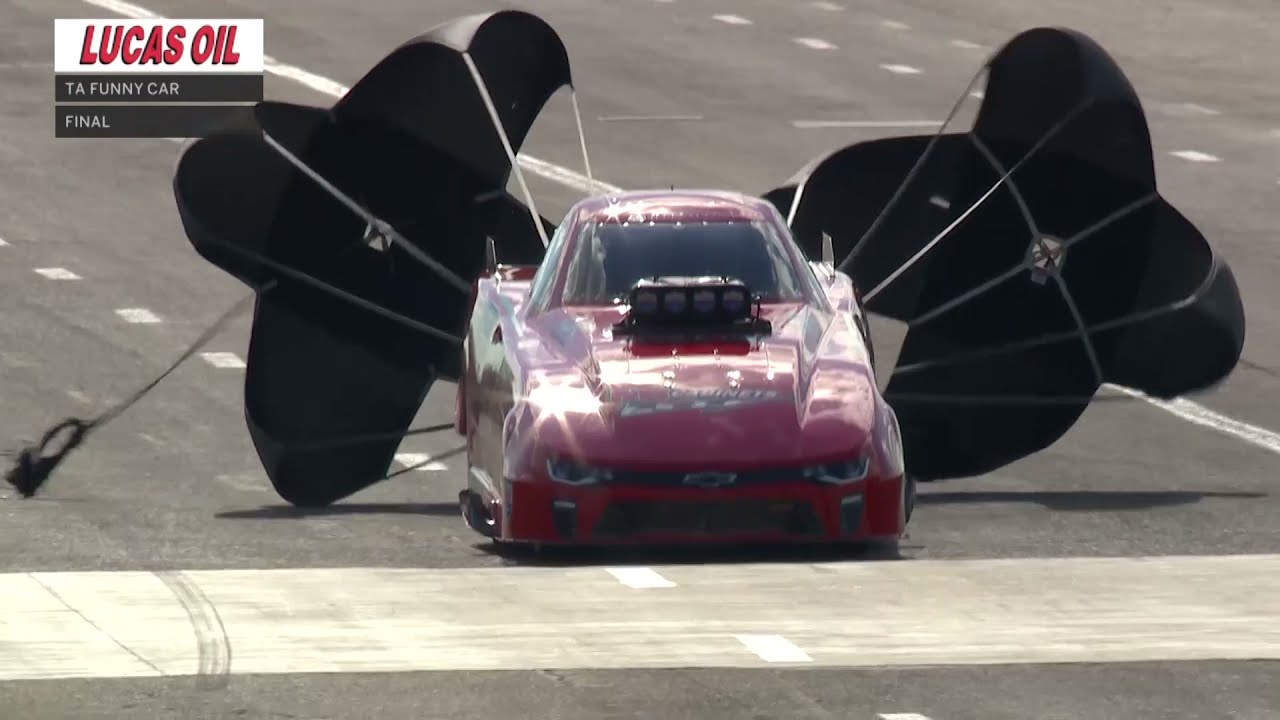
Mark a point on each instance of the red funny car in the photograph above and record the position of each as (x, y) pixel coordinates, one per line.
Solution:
(675, 370)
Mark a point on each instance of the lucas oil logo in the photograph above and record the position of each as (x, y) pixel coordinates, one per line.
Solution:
(709, 400)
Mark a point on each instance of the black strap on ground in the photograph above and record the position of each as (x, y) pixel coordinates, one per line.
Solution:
(35, 463)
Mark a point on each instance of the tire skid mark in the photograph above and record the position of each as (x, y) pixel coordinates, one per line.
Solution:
(213, 647)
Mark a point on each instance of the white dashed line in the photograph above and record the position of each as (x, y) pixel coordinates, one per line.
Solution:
(420, 462)
(1193, 109)
(1182, 408)
(824, 124)
(228, 360)
(828, 6)
(57, 273)
(941, 202)
(241, 482)
(640, 578)
(3, 243)
(977, 94)
(815, 43)
(894, 25)
(80, 397)
(1195, 156)
(649, 118)
(138, 315)
(902, 716)
(731, 19)
(774, 648)
(901, 69)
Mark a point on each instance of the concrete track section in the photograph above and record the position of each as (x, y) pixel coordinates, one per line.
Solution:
(1128, 571)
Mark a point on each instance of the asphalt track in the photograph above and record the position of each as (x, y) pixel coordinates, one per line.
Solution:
(1000, 613)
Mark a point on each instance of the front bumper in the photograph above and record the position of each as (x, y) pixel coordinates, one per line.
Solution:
(796, 511)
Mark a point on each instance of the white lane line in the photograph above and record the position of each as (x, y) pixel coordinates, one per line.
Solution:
(640, 578)
(1184, 409)
(940, 202)
(1204, 417)
(731, 19)
(649, 118)
(226, 360)
(815, 43)
(1192, 109)
(902, 716)
(79, 397)
(902, 69)
(57, 273)
(894, 25)
(3, 243)
(138, 315)
(828, 6)
(824, 124)
(774, 648)
(420, 462)
(1195, 156)
(965, 44)
(242, 482)
(977, 94)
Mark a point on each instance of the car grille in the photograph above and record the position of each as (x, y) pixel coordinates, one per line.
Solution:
(727, 517)
(677, 479)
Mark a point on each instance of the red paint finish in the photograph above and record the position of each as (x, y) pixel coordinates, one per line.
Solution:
(545, 383)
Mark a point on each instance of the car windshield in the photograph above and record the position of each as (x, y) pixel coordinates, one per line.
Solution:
(610, 257)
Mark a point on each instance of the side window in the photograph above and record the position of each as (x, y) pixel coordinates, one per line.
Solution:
(541, 284)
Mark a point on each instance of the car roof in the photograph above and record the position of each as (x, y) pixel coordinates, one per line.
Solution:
(674, 206)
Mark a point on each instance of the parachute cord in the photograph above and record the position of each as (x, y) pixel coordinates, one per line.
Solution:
(35, 463)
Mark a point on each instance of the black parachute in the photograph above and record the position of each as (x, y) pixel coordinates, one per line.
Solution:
(1031, 257)
(412, 145)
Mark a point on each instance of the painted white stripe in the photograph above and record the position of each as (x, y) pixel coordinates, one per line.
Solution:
(579, 182)
(420, 462)
(57, 273)
(3, 243)
(1204, 417)
(948, 612)
(902, 716)
(815, 43)
(640, 578)
(1194, 156)
(226, 360)
(894, 25)
(940, 202)
(1191, 109)
(902, 69)
(822, 124)
(774, 648)
(649, 118)
(138, 315)
(731, 19)
(828, 6)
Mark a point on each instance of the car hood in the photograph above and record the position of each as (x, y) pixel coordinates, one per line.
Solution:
(805, 393)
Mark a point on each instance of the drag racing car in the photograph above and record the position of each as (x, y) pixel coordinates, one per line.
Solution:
(688, 365)
(675, 369)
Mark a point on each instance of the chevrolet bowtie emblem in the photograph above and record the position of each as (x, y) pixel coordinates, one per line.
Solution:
(710, 479)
